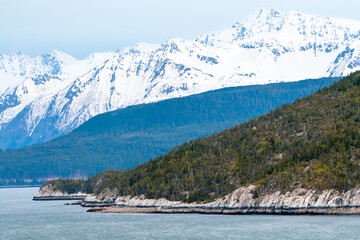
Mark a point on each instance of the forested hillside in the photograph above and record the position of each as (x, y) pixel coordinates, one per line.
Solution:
(312, 143)
(125, 138)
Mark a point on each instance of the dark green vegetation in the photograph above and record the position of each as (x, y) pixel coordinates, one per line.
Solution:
(127, 137)
(312, 143)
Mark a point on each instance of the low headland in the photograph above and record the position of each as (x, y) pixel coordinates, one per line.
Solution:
(302, 158)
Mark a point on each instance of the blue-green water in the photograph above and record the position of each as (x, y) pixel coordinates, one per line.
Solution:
(22, 218)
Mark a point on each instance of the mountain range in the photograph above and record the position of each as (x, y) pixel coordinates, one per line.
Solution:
(50, 95)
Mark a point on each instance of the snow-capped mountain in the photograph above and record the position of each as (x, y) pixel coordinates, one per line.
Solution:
(57, 93)
(15, 68)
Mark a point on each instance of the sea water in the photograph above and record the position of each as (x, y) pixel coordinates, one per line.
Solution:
(22, 218)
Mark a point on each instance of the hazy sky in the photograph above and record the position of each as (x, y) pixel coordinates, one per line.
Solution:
(80, 27)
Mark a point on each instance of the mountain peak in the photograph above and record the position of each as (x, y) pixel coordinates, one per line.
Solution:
(262, 15)
(266, 13)
(287, 27)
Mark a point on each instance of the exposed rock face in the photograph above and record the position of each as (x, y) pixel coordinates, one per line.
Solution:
(48, 192)
(240, 201)
(302, 198)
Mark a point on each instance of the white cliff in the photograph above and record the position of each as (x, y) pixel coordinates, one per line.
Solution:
(50, 192)
(241, 198)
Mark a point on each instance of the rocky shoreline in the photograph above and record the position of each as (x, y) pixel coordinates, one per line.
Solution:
(54, 198)
(241, 201)
(226, 211)
(47, 193)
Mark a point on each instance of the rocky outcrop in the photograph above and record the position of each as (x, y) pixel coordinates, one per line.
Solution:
(48, 192)
(240, 201)
(235, 211)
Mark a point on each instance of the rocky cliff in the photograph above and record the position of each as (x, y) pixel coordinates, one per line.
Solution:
(240, 201)
(47, 192)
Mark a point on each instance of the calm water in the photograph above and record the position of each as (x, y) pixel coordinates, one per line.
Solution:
(22, 218)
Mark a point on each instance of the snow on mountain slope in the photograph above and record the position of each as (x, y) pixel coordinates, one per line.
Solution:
(58, 92)
(15, 68)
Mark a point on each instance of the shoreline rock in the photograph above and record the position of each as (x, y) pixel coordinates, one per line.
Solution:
(57, 198)
(243, 211)
(47, 193)
(240, 201)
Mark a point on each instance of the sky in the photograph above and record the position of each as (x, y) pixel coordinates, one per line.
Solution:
(81, 27)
